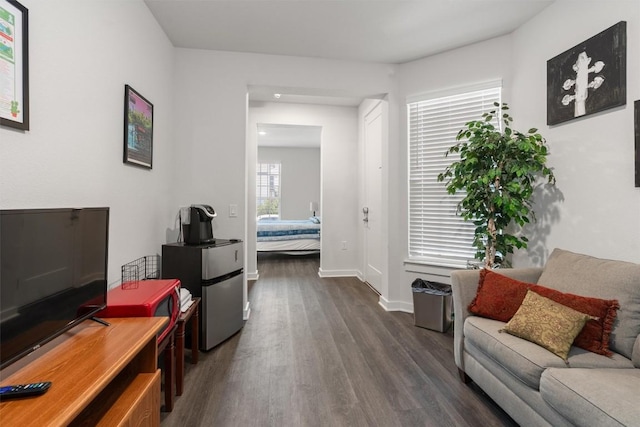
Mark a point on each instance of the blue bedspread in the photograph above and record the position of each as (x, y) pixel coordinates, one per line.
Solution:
(288, 229)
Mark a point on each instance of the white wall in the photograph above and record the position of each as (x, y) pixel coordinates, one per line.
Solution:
(597, 210)
(81, 56)
(339, 160)
(211, 92)
(300, 178)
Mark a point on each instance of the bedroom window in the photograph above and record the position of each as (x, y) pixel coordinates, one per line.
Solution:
(437, 235)
(268, 190)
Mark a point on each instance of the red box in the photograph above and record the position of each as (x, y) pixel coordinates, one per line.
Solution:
(145, 298)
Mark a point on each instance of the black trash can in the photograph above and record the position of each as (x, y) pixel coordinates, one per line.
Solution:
(431, 305)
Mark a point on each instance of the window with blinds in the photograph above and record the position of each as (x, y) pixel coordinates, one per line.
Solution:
(437, 235)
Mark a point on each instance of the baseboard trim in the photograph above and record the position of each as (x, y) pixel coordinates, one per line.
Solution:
(253, 276)
(395, 305)
(337, 273)
(246, 313)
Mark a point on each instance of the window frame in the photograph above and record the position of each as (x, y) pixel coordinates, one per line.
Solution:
(422, 175)
(277, 187)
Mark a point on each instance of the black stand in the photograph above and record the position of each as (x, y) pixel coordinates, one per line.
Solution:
(97, 319)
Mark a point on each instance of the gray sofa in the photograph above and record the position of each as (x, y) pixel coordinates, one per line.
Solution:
(536, 387)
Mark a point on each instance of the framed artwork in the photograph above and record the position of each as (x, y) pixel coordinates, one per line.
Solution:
(14, 65)
(588, 78)
(138, 129)
(637, 133)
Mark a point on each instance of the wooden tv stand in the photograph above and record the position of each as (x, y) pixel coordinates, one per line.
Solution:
(100, 375)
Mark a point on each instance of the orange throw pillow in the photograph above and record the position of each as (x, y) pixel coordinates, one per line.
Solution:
(499, 297)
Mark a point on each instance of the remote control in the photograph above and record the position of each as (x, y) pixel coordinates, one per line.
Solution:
(23, 390)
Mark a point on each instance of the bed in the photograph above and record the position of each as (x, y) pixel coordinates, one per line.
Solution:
(291, 236)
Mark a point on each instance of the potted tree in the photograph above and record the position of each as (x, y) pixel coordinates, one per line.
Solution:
(498, 171)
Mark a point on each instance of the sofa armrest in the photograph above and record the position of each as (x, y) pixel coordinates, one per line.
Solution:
(464, 285)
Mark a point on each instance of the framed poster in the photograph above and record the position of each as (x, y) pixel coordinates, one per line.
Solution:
(589, 77)
(637, 133)
(14, 65)
(138, 129)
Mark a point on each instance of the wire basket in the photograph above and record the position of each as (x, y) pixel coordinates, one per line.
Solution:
(144, 268)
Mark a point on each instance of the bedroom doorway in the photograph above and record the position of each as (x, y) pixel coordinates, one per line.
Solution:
(288, 188)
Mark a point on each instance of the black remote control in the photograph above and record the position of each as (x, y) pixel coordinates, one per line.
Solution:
(23, 390)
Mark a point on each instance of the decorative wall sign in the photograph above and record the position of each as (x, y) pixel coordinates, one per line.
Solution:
(138, 129)
(14, 65)
(637, 132)
(589, 77)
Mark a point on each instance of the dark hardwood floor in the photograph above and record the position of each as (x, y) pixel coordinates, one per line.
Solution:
(322, 352)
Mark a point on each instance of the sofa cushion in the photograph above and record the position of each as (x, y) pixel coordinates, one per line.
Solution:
(593, 397)
(523, 359)
(585, 275)
(547, 323)
(499, 297)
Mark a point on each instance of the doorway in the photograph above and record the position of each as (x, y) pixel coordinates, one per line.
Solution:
(288, 189)
(288, 180)
(340, 204)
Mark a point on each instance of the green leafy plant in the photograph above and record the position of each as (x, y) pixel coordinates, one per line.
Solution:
(268, 207)
(498, 171)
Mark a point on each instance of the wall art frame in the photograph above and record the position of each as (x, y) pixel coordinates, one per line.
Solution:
(14, 65)
(636, 114)
(588, 78)
(138, 129)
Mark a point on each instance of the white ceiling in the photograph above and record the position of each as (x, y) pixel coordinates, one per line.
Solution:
(389, 31)
(304, 96)
(281, 135)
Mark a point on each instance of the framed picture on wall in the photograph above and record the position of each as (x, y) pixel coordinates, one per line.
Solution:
(637, 133)
(588, 78)
(138, 129)
(14, 65)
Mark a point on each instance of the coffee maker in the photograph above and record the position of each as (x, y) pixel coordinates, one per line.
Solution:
(198, 231)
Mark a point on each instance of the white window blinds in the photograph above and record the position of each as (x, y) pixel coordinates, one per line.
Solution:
(437, 235)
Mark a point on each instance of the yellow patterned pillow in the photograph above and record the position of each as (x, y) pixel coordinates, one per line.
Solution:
(547, 323)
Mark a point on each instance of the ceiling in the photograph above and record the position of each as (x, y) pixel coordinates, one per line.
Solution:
(388, 31)
(383, 31)
(304, 96)
(281, 135)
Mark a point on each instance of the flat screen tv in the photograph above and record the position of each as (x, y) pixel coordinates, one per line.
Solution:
(53, 274)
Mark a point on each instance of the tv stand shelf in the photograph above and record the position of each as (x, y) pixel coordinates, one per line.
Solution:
(100, 375)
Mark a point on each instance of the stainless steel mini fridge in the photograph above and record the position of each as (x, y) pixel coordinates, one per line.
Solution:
(213, 272)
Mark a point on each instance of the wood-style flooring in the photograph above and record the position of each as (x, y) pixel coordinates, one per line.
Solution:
(322, 352)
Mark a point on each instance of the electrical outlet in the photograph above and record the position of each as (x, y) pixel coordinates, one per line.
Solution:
(344, 245)
(233, 211)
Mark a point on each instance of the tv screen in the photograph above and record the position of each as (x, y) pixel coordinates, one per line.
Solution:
(53, 274)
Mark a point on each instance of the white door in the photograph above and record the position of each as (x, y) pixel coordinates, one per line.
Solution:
(371, 211)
